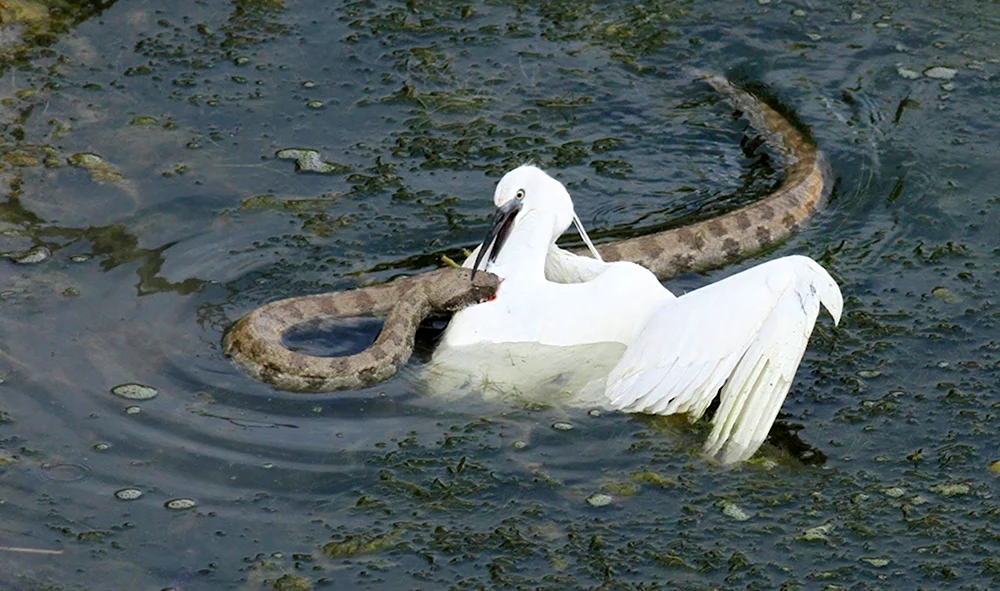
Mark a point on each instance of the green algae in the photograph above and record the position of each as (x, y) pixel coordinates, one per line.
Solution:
(144, 121)
(6, 458)
(100, 170)
(295, 204)
(357, 544)
(308, 160)
(32, 256)
(654, 479)
(135, 391)
(733, 511)
(292, 583)
(600, 500)
(30, 156)
(951, 489)
(616, 168)
(620, 489)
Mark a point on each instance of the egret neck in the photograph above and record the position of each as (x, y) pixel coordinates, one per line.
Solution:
(523, 255)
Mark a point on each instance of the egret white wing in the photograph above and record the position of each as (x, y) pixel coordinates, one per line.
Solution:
(744, 335)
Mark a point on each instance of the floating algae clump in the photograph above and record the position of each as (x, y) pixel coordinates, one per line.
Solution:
(143, 121)
(951, 490)
(134, 391)
(733, 511)
(270, 201)
(940, 73)
(290, 583)
(179, 504)
(6, 458)
(353, 545)
(307, 160)
(28, 156)
(654, 479)
(817, 534)
(621, 489)
(30, 257)
(128, 494)
(99, 170)
(599, 500)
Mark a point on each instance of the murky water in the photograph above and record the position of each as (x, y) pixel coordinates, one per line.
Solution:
(140, 152)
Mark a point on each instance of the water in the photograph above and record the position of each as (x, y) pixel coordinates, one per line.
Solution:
(883, 477)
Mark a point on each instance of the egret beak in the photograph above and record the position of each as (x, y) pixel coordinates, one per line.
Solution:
(503, 221)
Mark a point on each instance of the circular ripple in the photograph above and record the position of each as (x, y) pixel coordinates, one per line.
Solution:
(64, 472)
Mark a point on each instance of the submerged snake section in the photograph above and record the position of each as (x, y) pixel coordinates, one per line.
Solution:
(255, 342)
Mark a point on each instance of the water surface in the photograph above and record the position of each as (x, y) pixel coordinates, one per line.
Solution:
(141, 149)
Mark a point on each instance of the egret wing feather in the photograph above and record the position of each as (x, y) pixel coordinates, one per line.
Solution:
(692, 378)
(704, 327)
(750, 404)
(741, 338)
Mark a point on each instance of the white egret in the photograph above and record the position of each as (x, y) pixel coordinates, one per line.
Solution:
(741, 338)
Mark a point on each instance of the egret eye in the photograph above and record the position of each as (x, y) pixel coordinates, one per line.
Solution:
(519, 195)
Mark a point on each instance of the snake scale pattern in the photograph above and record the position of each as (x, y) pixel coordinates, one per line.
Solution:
(255, 341)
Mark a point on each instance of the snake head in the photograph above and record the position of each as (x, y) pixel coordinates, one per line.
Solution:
(462, 289)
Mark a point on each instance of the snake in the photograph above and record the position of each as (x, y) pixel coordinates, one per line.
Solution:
(255, 342)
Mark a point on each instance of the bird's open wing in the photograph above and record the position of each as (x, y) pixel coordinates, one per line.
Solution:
(745, 334)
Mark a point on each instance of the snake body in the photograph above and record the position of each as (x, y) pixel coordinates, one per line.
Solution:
(255, 341)
(747, 230)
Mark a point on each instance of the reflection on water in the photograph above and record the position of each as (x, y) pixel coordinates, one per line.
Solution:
(332, 337)
(142, 149)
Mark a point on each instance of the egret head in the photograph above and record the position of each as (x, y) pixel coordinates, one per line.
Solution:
(527, 191)
(534, 190)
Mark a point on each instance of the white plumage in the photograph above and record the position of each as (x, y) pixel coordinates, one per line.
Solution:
(741, 338)
(745, 334)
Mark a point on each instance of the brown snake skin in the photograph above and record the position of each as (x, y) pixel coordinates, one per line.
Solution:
(711, 243)
(255, 341)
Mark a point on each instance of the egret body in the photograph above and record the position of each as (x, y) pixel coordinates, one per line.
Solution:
(741, 338)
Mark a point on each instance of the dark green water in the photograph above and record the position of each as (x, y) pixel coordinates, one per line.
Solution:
(190, 219)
